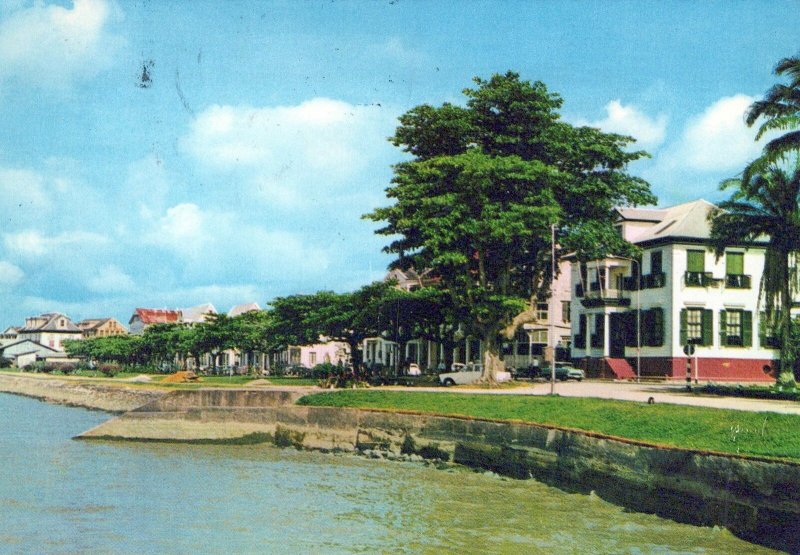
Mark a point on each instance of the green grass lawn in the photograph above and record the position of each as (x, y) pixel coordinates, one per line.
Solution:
(727, 431)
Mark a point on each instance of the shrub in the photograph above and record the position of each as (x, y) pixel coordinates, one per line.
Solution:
(67, 369)
(109, 370)
(29, 368)
(49, 368)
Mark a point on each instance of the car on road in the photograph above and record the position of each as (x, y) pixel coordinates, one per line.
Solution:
(468, 373)
(564, 372)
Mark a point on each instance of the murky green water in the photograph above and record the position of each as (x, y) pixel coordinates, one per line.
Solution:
(63, 496)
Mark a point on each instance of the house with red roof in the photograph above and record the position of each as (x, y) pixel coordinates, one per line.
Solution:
(143, 318)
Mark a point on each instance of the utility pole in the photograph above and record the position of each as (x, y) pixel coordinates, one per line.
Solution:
(551, 313)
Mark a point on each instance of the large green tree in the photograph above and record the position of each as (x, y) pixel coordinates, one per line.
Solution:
(482, 189)
(779, 110)
(767, 205)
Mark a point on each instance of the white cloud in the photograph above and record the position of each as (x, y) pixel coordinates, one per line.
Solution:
(215, 243)
(628, 120)
(287, 153)
(400, 52)
(51, 46)
(10, 274)
(110, 279)
(718, 140)
(34, 244)
(22, 189)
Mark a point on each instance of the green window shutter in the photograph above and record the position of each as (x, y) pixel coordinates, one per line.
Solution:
(747, 328)
(683, 327)
(734, 263)
(708, 327)
(657, 327)
(630, 328)
(696, 261)
(723, 328)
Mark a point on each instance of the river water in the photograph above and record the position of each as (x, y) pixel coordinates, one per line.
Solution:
(58, 495)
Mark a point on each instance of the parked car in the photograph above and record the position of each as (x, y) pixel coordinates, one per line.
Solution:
(468, 373)
(564, 372)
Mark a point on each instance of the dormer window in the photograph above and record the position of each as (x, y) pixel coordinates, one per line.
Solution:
(62, 322)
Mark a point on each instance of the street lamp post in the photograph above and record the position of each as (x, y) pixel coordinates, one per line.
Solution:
(551, 311)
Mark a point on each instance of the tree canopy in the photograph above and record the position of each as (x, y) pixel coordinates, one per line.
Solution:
(483, 187)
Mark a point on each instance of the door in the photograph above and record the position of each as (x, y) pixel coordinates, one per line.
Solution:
(616, 333)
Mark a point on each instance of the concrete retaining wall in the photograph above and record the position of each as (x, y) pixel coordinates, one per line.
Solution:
(757, 499)
(67, 391)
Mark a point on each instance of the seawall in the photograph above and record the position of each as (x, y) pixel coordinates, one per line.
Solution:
(79, 393)
(758, 499)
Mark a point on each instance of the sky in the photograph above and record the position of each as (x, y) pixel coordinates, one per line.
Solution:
(165, 154)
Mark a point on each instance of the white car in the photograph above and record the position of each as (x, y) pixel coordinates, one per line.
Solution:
(468, 373)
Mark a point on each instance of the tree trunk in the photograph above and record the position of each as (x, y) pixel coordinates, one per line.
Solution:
(786, 371)
(355, 354)
(492, 363)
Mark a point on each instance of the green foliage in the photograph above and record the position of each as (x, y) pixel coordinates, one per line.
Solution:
(486, 182)
(767, 205)
(347, 317)
(779, 110)
(726, 431)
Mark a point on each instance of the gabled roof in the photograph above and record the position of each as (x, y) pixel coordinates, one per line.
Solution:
(29, 344)
(242, 308)
(51, 322)
(197, 314)
(156, 316)
(92, 323)
(687, 220)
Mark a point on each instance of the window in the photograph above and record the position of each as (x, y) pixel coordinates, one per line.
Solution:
(312, 358)
(598, 337)
(736, 328)
(580, 338)
(522, 339)
(565, 311)
(695, 261)
(734, 263)
(768, 331)
(539, 336)
(294, 355)
(542, 311)
(652, 328)
(735, 277)
(696, 326)
(656, 262)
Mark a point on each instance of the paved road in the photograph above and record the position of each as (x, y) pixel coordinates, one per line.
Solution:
(628, 391)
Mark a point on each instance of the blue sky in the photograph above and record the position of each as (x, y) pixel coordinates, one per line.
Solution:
(240, 172)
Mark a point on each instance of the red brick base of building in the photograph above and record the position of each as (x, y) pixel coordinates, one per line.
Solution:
(674, 368)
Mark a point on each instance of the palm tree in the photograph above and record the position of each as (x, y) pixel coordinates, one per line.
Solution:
(767, 205)
(780, 108)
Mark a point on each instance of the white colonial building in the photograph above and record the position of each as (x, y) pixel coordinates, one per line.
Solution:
(638, 316)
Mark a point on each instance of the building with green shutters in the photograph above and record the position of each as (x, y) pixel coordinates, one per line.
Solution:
(642, 317)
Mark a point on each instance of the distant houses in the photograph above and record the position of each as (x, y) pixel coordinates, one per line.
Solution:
(143, 318)
(50, 329)
(101, 327)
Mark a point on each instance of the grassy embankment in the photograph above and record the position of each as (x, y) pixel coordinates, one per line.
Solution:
(705, 429)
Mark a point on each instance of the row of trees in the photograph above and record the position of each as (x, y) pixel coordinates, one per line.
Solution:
(378, 309)
(765, 204)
